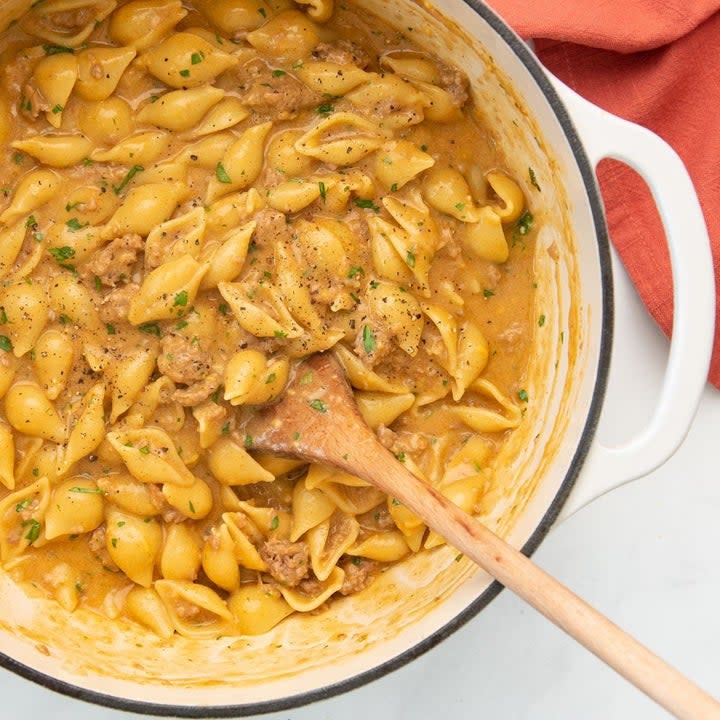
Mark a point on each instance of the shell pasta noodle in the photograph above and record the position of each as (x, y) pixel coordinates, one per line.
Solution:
(195, 198)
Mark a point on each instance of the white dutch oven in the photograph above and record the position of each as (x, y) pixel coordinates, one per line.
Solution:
(543, 125)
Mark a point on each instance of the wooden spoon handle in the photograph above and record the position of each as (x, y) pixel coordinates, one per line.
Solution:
(555, 601)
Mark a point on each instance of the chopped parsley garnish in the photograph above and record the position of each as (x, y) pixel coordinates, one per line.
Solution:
(488, 293)
(323, 190)
(150, 328)
(3, 316)
(61, 254)
(197, 57)
(278, 73)
(296, 435)
(368, 339)
(221, 174)
(181, 324)
(65, 319)
(185, 72)
(401, 457)
(34, 530)
(274, 522)
(57, 109)
(57, 49)
(270, 378)
(394, 187)
(410, 258)
(523, 396)
(131, 173)
(318, 405)
(215, 397)
(307, 378)
(191, 506)
(248, 441)
(145, 450)
(396, 502)
(22, 505)
(262, 11)
(374, 284)
(280, 334)
(181, 299)
(74, 224)
(226, 428)
(460, 206)
(533, 179)
(354, 271)
(325, 108)
(87, 490)
(541, 320)
(367, 204)
(524, 224)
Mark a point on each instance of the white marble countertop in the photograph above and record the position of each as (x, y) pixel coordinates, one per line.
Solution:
(645, 554)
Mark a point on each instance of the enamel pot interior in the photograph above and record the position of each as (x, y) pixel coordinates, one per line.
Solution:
(421, 600)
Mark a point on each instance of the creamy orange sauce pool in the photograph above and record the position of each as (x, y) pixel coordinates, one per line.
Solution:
(194, 197)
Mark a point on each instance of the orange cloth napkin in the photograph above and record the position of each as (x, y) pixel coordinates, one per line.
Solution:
(657, 63)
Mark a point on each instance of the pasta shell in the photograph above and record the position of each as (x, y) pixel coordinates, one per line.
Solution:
(341, 139)
(40, 20)
(310, 507)
(133, 544)
(54, 77)
(145, 606)
(167, 291)
(382, 408)
(383, 547)
(142, 149)
(329, 540)
(398, 312)
(7, 457)
(172, 239)
(400, 161)
(219, 561)
(305, 602)
(257, 608)
(56, 151)
(287, 36)
(21, 516)
(331, 78)
(145, 207)
(226, 114)
(151, 457)
(89, 431)
(180, 558)
(263, 316)
(11, 242)
(180, 109)
(76, 507)
(33, 191)
(142, 23)
(210, 616)
(241, 163)
(186, 60)
(29, 411)
(100, 70)
(53, 360)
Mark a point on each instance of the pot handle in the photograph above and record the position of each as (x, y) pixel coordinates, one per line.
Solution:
(608, 136)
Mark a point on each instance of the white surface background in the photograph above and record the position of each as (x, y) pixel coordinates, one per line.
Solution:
(645, 554)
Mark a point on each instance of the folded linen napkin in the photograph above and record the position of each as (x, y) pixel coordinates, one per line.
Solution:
(656, 63)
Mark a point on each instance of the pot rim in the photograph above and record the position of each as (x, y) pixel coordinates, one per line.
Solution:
(531, 64)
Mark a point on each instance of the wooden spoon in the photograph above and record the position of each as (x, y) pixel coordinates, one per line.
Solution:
(317, 420)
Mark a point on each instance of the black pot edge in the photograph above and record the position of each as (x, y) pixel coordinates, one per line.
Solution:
(259, 708)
